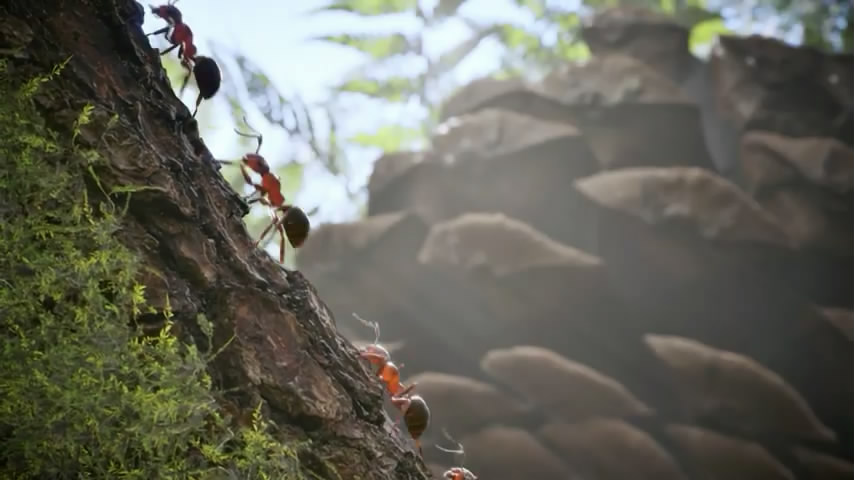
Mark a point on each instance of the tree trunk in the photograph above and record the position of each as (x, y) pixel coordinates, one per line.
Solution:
(184, 223)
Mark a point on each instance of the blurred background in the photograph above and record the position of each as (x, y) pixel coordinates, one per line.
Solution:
(608, 239)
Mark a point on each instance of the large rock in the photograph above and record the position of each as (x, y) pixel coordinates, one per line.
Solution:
(655, 39)
(713, 455)
(843, 320)
(808, 184)
(631, 115)
(487, 90)
(507, 453)
(498, 244)
(611, 449)
(774, 160)
(480, 162)
(560, 386)
(408, 181)
(737, 391)
(765, 84)
(532, 286)
(661, 43)
(698, 258)
(817, 466)
(464, 403)
(369, 267)
(491, 155)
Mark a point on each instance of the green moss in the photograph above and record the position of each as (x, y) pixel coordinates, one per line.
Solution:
(83, 394)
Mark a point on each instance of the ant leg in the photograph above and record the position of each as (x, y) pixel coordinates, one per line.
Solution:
(186, 65)
(406, 390)
(184, 83)
(156, 32)
(281, 230)
(198, 102)
(164, 52)
(266, 231)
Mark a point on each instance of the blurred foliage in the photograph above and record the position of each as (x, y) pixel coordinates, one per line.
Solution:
(85, 393)
(399, 74)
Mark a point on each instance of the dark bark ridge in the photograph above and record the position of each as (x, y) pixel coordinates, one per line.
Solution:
(184, 221)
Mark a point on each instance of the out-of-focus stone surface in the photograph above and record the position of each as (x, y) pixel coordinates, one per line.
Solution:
(520, 262)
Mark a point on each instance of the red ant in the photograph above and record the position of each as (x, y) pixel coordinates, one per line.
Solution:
(379, 357)
(181, 36)
(294, 223)
(205, 69)
(457, 473)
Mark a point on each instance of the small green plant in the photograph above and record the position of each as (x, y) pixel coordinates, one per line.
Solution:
(82, 393)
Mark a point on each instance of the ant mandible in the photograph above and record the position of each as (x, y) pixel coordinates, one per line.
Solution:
(457, 473)
(294, 223)
(380, 358)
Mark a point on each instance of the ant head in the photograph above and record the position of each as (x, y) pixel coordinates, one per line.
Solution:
(458, 473)
(375, 351)
(297, 226)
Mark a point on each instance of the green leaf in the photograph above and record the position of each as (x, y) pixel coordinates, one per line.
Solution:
(518, 38)
(390, 138)
(575, 51)
(393, 89)
(370, 7)
(706, 32)
(377, 46)
(690, 16)
(537, 7)
(667, 6)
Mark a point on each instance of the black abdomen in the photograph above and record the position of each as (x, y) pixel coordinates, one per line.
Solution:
(208, 76)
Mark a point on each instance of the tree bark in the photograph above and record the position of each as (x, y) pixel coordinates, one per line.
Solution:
(184, 221)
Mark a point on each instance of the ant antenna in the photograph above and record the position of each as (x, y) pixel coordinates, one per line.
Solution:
(374, 325)
(256, 135)
(459, 450)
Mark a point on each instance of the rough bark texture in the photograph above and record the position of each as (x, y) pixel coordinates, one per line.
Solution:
(640, 267)
(186, 226)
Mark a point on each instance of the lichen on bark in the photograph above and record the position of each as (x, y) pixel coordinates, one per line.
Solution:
(142, 203)
(84, 391)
